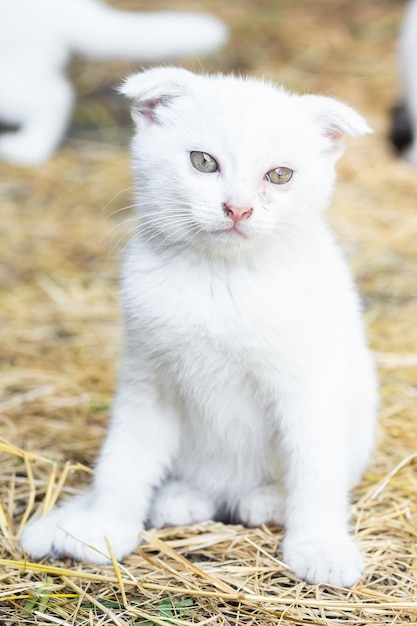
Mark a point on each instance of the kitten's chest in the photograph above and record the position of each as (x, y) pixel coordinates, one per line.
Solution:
(241, 315)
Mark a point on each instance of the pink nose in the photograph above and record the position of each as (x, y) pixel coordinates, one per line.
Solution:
(237, 213)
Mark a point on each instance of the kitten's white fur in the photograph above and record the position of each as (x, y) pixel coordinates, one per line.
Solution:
(246, 386)
(408, 60)
(37, 38)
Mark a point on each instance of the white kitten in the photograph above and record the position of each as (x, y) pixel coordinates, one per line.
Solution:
(37, 38)
(246, 388)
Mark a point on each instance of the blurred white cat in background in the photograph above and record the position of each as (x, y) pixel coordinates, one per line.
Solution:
(404, 123)
(37, 39)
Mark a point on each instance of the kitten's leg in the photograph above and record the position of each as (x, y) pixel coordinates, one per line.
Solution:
(318, 546)
(264, 505)
(177, 504)
(141, 442)
(42, 111)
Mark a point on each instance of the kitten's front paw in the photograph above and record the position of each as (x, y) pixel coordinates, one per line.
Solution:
(333, 561)
(264, 505)
(177, 504)
(79, 532)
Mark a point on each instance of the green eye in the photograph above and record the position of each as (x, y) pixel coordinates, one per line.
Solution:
(279, 176)
(203, 162)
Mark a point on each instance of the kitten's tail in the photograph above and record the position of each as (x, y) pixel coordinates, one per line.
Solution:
(102, 32)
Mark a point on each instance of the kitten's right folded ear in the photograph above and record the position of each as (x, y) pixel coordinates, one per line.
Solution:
(155, 88)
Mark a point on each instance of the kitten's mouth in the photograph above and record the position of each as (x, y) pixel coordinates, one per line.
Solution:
(232, 231)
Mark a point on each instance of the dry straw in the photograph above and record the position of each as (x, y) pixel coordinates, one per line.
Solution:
(59, 335)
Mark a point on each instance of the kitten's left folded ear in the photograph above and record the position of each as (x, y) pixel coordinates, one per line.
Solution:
(336, 121)
(155, 88)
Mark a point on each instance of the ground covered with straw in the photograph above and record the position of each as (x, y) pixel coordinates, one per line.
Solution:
(62, 232)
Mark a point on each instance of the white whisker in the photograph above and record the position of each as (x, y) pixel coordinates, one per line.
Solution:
(117, 195)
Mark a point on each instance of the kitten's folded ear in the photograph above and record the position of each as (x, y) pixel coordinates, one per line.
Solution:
(336, 120)
(155, 88)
